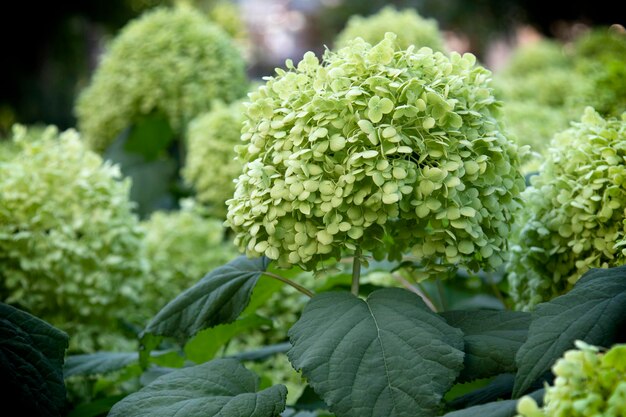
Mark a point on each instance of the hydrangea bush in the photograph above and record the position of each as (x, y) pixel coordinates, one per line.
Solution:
(70, 245)
(181, 246)
(210, 165)
(409, 26)
(588, 382)
(376, 149)
(169, 61)
(574, 211)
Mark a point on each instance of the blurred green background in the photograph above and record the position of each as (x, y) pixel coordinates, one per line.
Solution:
(51, 49)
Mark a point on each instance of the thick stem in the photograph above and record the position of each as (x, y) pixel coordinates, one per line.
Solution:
(356, 271)
(287, 281)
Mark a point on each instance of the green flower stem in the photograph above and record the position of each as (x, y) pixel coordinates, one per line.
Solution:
(356, 271)
(442, 296)
(287, 281)
(407, 285)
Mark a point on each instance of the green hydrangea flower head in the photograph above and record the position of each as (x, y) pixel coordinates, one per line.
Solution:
(381, 149)
(588, 383)
(70, 244)
(182, 246)
(574, 215)
(210, 166)
(173, 62)
(541, 90)
(409, 26)
(601, 57)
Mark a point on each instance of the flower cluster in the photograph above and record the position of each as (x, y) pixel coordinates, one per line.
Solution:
(169, 61)
(541, 90)
(378, 149)
(409, 26)
(588, 383)
(210, 166)
(70, 244)
(181, 247)
(574, 216)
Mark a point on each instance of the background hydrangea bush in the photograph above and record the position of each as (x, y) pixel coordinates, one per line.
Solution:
(210, 167)
(415, 30)
(589, 382)
(173, 62)
(181, 247)
(70, 245)
(573, 218)
(379, 149)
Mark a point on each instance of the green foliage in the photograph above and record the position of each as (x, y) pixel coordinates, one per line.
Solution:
(211, 167)
(380, 149)
(230, 392)
(169, 61)
(70, 245)
(181, 247)
(218, 298)
(593, 311)
(409, 26)
(492, 339)
(536, 57)
(31, 361)
(387, 355)
(588, 382)
(574, 215)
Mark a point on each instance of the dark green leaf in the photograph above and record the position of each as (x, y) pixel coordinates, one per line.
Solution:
(149, 137)
(217, 298)
(592, 311)
(220, 388)
(98, 363)
(31, 363)
(500, 388)
(386, 356)
(492, 338)
(95, 408)
(506, 408)
(205, 345)
(309, 400)
(263, 353)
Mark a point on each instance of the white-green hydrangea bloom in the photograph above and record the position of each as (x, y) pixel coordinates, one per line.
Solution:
(381, 149)
(182, 247)
(169, 61)
(409, 26)
(574, 211)
(589, 383)
(211, 167)
(70, 245)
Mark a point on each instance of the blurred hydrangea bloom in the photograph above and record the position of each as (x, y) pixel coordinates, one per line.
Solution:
(170, 61)
(409, 26)
(574, 212)
(588, 383)
(381, 149)
(541, 90)
(211, 167)
(70, 245)
(182, 247)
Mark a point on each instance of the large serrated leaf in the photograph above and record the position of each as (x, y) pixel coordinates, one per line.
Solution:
(31, 362)
(492, 338)
(217, 298)
(98, 363)
(220, 388)
(592, 311)
(386, 356)
(507, 408)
